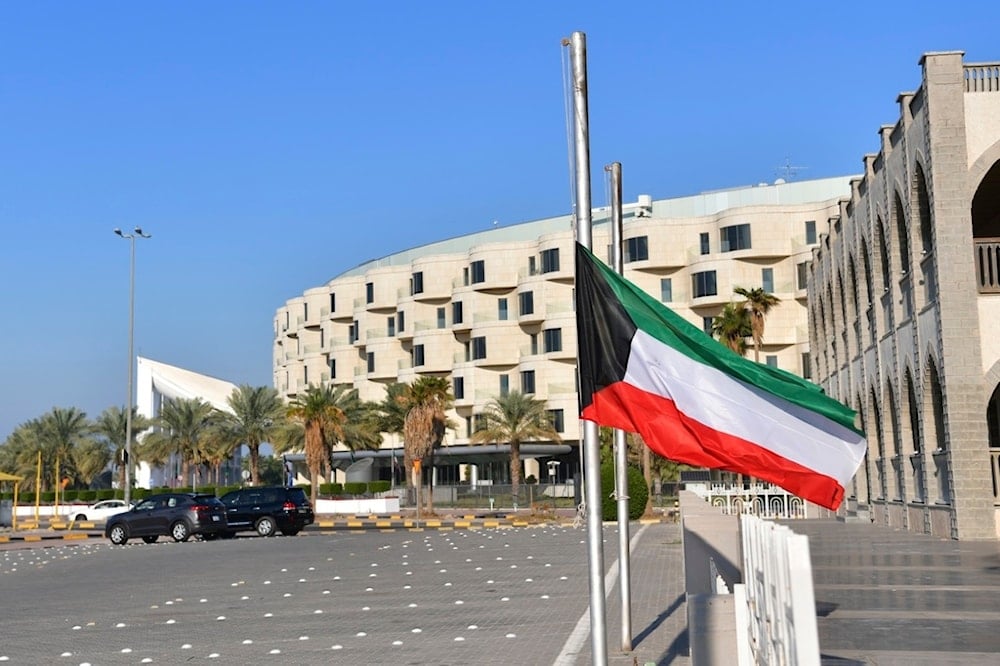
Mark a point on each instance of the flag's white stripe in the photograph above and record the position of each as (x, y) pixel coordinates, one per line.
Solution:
(725, 404)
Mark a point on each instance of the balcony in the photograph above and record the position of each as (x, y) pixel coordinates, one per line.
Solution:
(988, 265)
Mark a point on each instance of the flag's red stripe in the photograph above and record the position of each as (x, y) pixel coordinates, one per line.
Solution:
(673, 435)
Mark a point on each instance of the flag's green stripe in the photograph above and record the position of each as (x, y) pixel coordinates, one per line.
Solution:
(670, 328)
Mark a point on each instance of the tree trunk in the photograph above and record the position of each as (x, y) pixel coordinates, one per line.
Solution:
(430, 484)
(515, 469)
(254, 464)
(314, 484)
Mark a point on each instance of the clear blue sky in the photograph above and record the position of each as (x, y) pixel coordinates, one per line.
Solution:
(270, 146)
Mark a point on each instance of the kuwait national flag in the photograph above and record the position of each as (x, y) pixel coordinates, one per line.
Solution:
(645, 369)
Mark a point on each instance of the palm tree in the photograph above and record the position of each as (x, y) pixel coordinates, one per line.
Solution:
(515, 418)
(318, 414)
(733, 327)
(59, 433)
(184, 429)
(427, 399)
(258, 413)
(112, 426)
(90, 458)
(759, 302)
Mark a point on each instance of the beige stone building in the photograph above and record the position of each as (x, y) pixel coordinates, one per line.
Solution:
(904, 293)
(493, 311)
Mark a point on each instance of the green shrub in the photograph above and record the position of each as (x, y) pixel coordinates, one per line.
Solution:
(86, 495)
(68, 495)
(26, 497)
(139, 494)
(48, 496)
(355, 487)
(329, 489)
(378, 486)
(227, 489)
(7, 495)
(637, 493)
(206, 490)
(105, 493)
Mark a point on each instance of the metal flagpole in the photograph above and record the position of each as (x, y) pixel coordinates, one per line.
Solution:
(591, 446)
(621, 446)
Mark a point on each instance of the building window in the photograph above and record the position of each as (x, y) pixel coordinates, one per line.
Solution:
(736, 237)
(352, 332)
(458, 387)
(417, 283)
(305, 375)
(417, 356)
(703, 242)
(703, 284)
(526, 302)
(456, 312)
(706, 324)
(666, 290)
(333, 302)
(558, 420)
(807, 367)
(478, 422)
(802, 274)
(550, 260)
(527, 381)
(502, 309)
(477, 271)
(400, 321)
(810, 232)
(369, 292)
(371, 361)
(771, 360)
(333, 368)
(390, 326)
(442, 317)
(504, 385)
(465, 276)
(479, 348)
(305, 312)
(322, 339)
(532, 266)
(636, 249)
(552, 339)
(767, 279)
(534, 343)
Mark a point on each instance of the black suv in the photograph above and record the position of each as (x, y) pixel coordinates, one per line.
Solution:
(178, 515)
(267, 509)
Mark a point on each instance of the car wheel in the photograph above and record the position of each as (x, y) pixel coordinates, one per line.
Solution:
(151, 538)
(265, 526)
(291, 531)
(118, 535)
(180, 531)
(80, 517)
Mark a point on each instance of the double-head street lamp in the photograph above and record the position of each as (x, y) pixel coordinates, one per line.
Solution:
(136, 233)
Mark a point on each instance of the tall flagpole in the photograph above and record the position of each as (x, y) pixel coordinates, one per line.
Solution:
(621, 446)
(591, 445)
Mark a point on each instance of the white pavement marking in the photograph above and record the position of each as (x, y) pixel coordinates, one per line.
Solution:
(571, 649)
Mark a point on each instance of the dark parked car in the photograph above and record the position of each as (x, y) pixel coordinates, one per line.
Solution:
(267, 509)
(178, 515)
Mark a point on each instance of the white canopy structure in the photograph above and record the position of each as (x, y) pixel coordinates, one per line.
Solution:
(157, 382)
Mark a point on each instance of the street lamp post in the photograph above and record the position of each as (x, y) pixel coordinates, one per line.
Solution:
(136, 233)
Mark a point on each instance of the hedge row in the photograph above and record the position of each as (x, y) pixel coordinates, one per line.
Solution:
(90, 496)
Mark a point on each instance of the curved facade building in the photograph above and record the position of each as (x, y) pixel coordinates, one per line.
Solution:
(493, 311)
(904, 290)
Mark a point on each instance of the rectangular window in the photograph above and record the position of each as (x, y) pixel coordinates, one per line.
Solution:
(502, 309)
(801, 274)
(456, 312)
(550, 260)
(771, 360)
(666, 290)
(534, 343)
(810, 232)
(553, 339)
(400, 321)
(305, 375)
(527, 381)
(417, 283)
(767, 279)
(465, 276)
(352, 332)
(703, 242)
(479, 348)
(806, 366)
(477, 271)
(736, 237)
(468, 426)
(557, 419)
(417, 356)
(390, 326)
(458, 387)
(636, 249)
(526, 302)
(706, 324)
(322, 338)
(504, 385)
(478, 422)
(703, 284)
(333, 302)
(369, 292)
(532, 266)
(305, 312)
(442, 317)
(468, 350)
(333, 368)
(371, 361)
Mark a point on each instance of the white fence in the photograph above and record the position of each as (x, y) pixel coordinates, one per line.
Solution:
(780, 608)
(758, 499)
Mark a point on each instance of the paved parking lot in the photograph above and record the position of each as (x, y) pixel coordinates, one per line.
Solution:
(489, 596)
